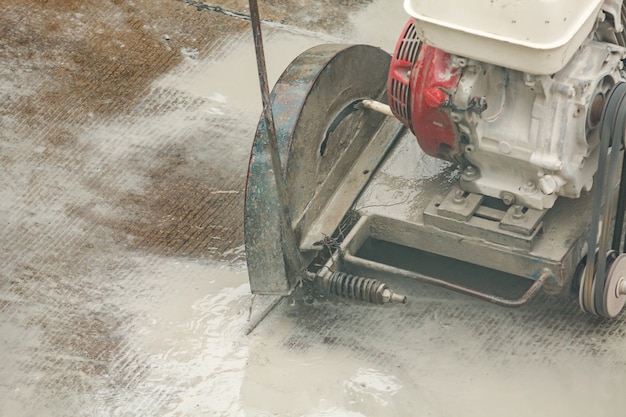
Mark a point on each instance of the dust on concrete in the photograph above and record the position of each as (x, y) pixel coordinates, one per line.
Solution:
(71, 72)
(189, 197)
(106, 310)
(81, 62)
(99, 56)
(329, 16)
(77, 64)
(175, 214)
(86, 59)
(190, 333)
(440, 354)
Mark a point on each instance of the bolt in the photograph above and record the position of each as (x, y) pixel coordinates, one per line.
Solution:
(518, 212)
(459, 197)
(456, 117)
(621, 288)
(548, 184)
(470, 173)
(529, 188)
(391, 297)
(458, 62)
(508, 198)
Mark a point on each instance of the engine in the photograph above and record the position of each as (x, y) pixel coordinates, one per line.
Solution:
(524, 123)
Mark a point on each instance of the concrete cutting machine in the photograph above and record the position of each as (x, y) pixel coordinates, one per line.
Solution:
(492, 138)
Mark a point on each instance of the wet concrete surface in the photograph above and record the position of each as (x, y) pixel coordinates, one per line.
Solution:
(125, 129)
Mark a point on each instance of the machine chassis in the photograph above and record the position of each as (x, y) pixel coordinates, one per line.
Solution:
(339, 158)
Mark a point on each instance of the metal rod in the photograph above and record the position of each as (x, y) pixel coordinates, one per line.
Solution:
(378, 106)
(504, 302)
(290, 248)
(621, 287)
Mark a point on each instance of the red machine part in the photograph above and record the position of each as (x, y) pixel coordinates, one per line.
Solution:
(421, 79)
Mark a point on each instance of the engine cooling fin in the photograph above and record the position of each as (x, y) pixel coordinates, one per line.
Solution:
(399, 92)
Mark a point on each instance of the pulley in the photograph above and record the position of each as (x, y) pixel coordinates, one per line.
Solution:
(601, 278)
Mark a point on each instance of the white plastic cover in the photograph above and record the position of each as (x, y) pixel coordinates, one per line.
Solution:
(535, 36)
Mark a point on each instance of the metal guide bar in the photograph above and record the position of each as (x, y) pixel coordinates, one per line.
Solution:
(290, 248)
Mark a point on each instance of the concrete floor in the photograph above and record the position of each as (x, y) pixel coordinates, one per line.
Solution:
(125, 129)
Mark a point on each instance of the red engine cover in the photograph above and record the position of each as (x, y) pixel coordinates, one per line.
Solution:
(421, 79)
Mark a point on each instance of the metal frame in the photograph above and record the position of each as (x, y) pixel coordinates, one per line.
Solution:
(345, 258)
(287, 221)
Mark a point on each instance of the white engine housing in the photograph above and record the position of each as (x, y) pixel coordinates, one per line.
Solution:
(525, 110)
(539, 135)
